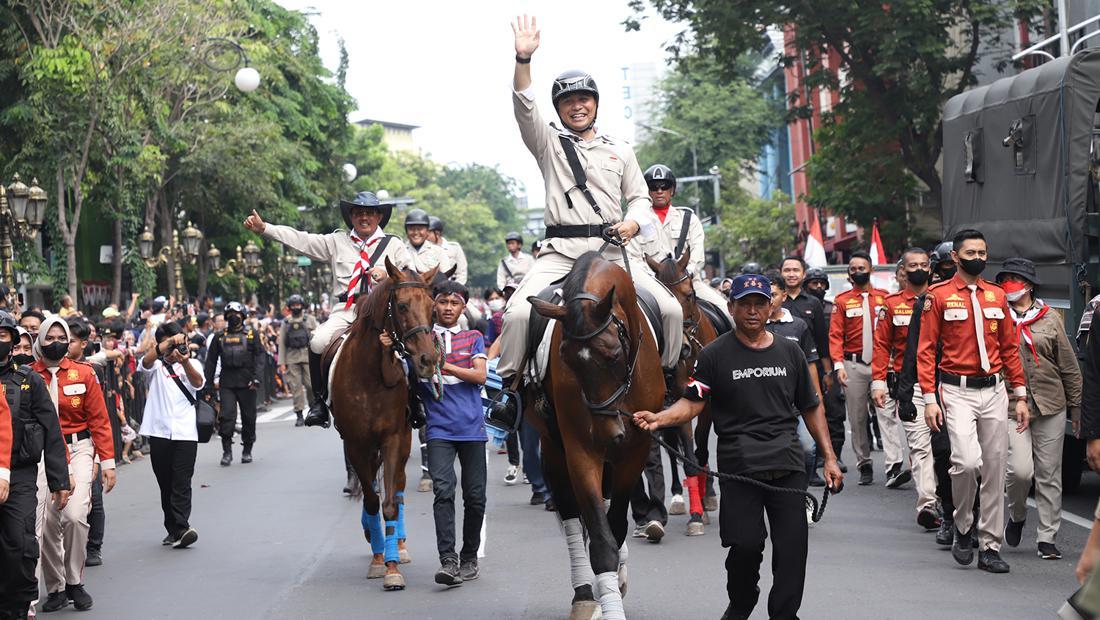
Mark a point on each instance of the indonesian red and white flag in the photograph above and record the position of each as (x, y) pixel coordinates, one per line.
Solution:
(878, 254)
(815, 245)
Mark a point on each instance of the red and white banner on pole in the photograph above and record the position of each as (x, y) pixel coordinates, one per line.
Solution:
(878, 254)
(815, 245)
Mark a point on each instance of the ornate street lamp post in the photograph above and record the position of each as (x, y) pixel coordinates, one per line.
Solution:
(22, 210)
(179, 251)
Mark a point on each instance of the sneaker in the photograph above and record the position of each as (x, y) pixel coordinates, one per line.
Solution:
(654, 531)
(94, 558)
(897, 476)
(448, 573)
(168, 540)
(469, 570)
(639, 531)
(511, 476)
(1048, 551)
(525, 480)
(538, 498)
(55, 601)
(990, 561)
(928, 519)
(961, 549)
(549, 504)
(227, 458)
(79, 596)
(945, 536)
(866, 475)
(246, 457)
(186, 539)
(1013, 532)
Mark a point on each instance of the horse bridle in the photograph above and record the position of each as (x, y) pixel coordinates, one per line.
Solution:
(391, 324)
(604, 407)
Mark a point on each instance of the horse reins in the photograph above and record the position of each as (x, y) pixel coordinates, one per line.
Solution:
(603, 407)
(390, 326)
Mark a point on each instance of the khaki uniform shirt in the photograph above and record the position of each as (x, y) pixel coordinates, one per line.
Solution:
(613, 176)
(295, 356)
(695, 241)
(427, 257)
(519, 265)
(457, 257)
(339, 250)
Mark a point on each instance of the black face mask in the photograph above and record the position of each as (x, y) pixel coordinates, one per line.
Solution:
(819, 293)
(235, 322)
(947, 271)
(55, 350)
(918, 278)
(861, 278)
(296, 311)
(973, 266)
(23, 359)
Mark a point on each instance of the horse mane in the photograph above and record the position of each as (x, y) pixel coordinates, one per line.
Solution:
(669, 271)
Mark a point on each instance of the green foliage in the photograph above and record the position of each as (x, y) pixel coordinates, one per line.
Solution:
(763, 225)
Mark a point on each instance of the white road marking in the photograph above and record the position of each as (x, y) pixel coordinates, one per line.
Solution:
(1068, 516)
(278, 413)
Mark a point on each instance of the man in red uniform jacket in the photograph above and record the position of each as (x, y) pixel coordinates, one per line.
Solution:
(75, 390)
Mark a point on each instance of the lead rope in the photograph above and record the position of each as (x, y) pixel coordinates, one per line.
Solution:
(437, 377)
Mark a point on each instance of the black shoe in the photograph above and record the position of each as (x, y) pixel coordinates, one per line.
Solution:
(1013, 531)
(550, 506)
(945, 536)
(816, 480)
(897, 476)
(318, 414)
(168, 540)
(299, 421)
(928, 519)
(94, 558)
(1048, 551)
(186, 539)
(227, 458)
(731, 614)
(468, 570)
(246, 456)
(56, 601)
(866, 474)
(537, 498)
(990, 561)
(448, 573)
(79, 596)
(504, 410)
(962, 550)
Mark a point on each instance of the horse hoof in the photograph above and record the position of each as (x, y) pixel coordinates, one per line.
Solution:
(395, 581)
(586, 610)
(706, 517)
(710, 503)
(425, 485)
(403, 556)
(623, 578)
(376, 571)
(695, 528)
(676, 507)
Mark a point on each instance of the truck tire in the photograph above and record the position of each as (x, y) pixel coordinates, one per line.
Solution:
(1073, 464)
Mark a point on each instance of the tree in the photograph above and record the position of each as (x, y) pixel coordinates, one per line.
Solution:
(894, 65)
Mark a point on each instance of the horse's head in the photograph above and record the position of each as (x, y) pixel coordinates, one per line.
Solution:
(599, 348)
(674, 274)
(409, 318)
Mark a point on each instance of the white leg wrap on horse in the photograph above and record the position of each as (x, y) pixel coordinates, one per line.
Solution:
(624, 553)
(611, 600)
(580, 569)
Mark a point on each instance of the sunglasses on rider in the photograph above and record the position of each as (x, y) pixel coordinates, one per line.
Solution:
(660, 187)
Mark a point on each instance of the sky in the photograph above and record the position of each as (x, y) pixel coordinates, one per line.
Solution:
(447, 67)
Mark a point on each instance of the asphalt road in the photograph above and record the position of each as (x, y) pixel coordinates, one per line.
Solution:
(279, 540)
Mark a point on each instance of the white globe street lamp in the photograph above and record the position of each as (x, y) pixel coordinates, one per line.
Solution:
(247, 79)
(350, 172)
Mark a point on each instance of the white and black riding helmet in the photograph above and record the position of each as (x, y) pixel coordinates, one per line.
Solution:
(369, 200)
(659, 173)
(417, 217)
(571, 83)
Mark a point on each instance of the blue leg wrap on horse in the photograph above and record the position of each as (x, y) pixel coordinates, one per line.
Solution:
(373, 524)
(391, 542)
(401, 515)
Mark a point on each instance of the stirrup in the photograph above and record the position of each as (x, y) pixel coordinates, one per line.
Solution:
(503, 412)
(318, 414)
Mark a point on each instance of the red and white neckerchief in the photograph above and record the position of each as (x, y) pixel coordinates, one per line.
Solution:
(363, 266)
(1024, 321)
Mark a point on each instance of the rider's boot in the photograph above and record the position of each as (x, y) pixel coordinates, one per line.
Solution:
(318, 411)
(504, 410)
(672, 390)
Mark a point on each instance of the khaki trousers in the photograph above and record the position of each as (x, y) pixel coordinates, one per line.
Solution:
(325, 332)
(551, 266)
(65, 532)
(1037, 452)
(919, 438)
(298, 382)
(978, 429)
(705, 291)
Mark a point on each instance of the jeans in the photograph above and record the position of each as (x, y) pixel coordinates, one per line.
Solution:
(532, 459)
(441, 465)
(174, 465)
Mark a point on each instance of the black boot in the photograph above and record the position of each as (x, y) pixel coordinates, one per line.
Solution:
(227, 451)
(246, 453)
(504, 410)
(318, 411)
(298, 419)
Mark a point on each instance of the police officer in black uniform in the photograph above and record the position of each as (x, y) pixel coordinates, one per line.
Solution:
(35, 429)
(241, 354)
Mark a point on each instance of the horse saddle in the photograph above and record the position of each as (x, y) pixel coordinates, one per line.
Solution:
(540, 330)
(718, 319)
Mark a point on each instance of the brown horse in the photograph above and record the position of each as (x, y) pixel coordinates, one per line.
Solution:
(369, 400)
(606, 367)
(698, 333)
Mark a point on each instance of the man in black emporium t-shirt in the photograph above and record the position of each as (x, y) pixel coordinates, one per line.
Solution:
(757, 385)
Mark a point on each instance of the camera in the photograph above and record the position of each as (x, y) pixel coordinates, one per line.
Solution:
(182, 349)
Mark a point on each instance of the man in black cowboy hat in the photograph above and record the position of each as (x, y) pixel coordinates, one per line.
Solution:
(357, 258)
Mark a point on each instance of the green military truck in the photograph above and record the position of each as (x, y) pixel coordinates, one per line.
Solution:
(1021, 163)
